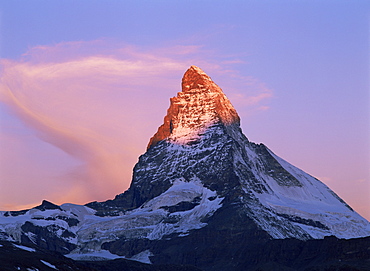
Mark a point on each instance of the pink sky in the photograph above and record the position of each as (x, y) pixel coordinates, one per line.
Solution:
(96, 112)
(80, 98)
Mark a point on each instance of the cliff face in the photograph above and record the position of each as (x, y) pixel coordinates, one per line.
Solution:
(200, 105)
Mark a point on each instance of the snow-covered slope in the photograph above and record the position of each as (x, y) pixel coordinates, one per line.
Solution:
(308, 205)
(200, 174)
(178, 210)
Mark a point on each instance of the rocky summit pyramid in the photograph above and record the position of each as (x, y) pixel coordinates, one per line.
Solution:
(202, 194)
(200, 146)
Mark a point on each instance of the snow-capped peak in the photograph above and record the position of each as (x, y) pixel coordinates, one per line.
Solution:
(200, 178)
(199, 105)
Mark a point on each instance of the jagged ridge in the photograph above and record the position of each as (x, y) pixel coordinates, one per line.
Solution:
(200, 105)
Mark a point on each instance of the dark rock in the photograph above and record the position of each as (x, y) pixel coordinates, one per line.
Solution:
(182, 206)
(47, 205)
(16, 213)
(46, 237)
(70, 220)
(35, 258)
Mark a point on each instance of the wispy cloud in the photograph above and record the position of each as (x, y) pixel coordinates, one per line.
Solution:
(100, 102)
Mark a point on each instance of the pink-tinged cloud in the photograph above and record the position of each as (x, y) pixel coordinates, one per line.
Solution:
(96, 104)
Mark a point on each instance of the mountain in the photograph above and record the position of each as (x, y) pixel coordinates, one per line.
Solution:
(201, 149)
(202, 194)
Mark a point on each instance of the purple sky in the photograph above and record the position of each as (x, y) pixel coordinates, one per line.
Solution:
(85, 84)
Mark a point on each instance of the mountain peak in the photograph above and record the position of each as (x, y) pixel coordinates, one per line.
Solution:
(195, 69)
(199, 105)
(193, 77)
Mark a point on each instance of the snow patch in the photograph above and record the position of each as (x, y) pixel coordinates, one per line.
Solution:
(99, 255)
(25, 248)
(142, 257)
(48, 264)
(179, 191)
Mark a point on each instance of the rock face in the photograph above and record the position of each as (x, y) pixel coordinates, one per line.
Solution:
(202, 194)
(200, 105)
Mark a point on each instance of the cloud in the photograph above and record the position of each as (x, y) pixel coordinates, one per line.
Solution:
(99, 103)
(245, 100)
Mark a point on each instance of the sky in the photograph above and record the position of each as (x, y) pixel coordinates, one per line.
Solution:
(85, 84)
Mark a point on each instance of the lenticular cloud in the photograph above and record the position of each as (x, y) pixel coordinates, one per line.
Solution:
(92, 103)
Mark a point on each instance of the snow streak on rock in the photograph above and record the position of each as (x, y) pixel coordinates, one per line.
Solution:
(200, 105)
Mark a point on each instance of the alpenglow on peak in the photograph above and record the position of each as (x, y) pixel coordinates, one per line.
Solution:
(199, 105)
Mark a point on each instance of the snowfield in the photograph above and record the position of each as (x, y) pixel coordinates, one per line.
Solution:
(151, 221)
